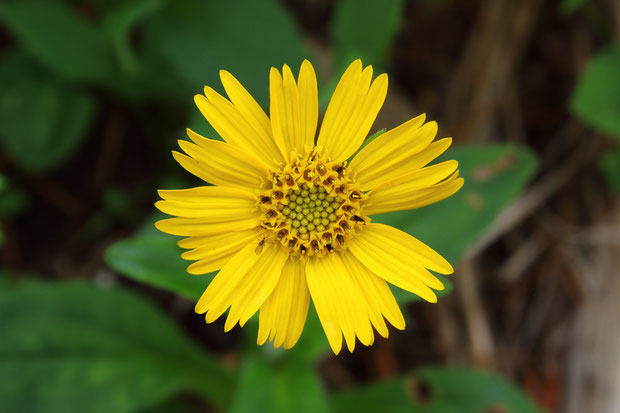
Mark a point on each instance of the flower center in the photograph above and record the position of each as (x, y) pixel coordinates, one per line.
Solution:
(311, 206)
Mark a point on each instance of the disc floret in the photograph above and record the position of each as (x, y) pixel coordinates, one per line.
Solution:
(311, 206)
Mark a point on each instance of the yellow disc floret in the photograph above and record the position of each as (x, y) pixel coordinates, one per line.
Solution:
(311, 205)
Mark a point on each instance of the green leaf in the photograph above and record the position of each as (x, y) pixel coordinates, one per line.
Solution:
(312, 344)
(596, 99)
(56, 36)
(494, 176)
(118, 24)
(365, 29)
(41, 121)
(278, 385)
(156, 260)
(436, 390)
(610, 166)
(13, 201)
(175, 405)
(73, 347)
(569, 6)
(245, 37)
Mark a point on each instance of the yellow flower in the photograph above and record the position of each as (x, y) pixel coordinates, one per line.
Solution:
(287, 217)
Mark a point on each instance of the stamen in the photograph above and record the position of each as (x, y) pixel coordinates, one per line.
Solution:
(259, 247)
(305, 206)
(340, 239)
(315, 246)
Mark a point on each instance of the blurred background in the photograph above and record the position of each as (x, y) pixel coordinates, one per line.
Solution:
(96, 310)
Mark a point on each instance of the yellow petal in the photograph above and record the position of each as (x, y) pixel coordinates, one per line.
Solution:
(351, 111)
(221, 163)
(216, 203)
(379, 298)
(395, 153)
(214, 241)
(400, 194)
(234, 128)
(222, 290)
(257, 285)
(212, 252)
(283, 314)
(400, 259)
(338, 302)
(185, 227)
(252, 113)
(294, 108)
(201, 194)
(308, 102)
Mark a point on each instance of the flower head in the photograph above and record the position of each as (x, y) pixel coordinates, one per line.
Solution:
(288, 217)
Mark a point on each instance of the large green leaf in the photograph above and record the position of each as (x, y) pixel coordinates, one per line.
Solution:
(156, 260)
(365, 29)
(118, 24)
(436, 390)
(494, 175)
(59, 38)
(311, 345)
(278, 385)
(73, 347)
(596, 99)
(41, 121)
(245, 37)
